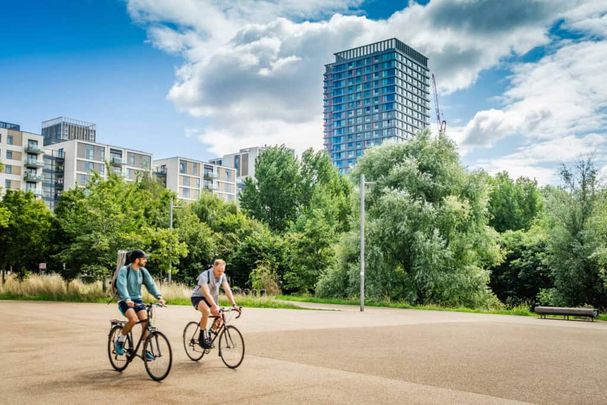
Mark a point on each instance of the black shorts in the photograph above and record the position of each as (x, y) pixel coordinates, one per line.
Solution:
(196, 301)
(139, 306)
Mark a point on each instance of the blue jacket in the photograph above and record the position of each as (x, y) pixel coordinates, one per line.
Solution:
(129, 280)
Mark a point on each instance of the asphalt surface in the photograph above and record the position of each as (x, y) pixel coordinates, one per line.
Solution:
(55, 353)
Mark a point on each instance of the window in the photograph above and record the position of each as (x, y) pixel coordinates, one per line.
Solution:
(89, 152)
(186, 181)
(7, 184)
(182, 167)
(9, 140)
(9, 154)
(8, 169)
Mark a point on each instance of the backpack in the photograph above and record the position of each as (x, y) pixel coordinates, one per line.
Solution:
(124, 258)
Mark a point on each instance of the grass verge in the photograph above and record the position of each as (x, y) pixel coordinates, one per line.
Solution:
(518, 311)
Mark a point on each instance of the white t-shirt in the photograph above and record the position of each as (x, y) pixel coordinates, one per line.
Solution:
(207, 277)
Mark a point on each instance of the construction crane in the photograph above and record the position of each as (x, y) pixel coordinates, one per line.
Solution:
(440, 121)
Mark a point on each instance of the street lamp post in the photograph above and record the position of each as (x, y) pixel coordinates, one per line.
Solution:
(171, 206)
(363, 184)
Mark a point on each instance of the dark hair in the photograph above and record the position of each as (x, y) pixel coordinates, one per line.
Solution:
(135, 254)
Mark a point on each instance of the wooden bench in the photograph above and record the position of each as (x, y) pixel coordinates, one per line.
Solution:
(566, 312)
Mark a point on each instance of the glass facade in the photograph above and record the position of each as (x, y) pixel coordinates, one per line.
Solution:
(53, 174)
(372, 94)
(66, 129)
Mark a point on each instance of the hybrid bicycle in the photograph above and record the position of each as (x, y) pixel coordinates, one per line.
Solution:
(231, 342)
(157, 354)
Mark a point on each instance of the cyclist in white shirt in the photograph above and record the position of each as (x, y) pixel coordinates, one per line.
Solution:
(205, 297)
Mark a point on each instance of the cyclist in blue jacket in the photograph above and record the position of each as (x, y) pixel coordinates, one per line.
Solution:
(128, 285)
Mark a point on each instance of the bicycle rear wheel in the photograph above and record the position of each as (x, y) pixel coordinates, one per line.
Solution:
(119, 362)
(190, 341)
(231, 347)
(158, 362)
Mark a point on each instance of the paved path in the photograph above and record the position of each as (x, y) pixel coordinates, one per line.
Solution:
(56, 353)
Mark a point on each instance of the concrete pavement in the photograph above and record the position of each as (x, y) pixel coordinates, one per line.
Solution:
(56, 353)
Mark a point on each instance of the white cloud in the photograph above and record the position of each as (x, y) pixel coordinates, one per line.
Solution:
(255, 67)
(564, 93)
(541, 160)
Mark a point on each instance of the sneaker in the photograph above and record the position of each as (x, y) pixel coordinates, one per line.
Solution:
(149, 356)
(119, 347)
(204, 340)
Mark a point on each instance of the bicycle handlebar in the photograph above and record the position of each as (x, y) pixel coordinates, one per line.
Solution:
(230, 309)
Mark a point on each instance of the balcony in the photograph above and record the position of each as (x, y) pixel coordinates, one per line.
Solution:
(116, 161)
(33, 163)
(210, 175)
(33, 177)
(34, 149)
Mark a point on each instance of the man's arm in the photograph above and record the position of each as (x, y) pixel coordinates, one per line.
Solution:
(121, 287)
(228, 291)
(151, 286)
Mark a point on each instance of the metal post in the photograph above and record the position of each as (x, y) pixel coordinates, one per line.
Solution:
(362, 242)
(170, 227)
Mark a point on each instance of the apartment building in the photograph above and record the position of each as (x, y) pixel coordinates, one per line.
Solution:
(243, 163)
(81, 159)
(21, 153)
(190, 177)
(63, 129)
(372, 94)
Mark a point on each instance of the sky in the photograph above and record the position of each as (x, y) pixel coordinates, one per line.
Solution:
(522, 83)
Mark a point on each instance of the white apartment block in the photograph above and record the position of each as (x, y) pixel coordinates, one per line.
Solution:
(82, 158)
(189, 178)
(21, 153)
(243, 162)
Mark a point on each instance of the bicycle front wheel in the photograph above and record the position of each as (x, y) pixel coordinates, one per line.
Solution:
(157, 355)
(118, 361)
(231, 347)
(190, 341)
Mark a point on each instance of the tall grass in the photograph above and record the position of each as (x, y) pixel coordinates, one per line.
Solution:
(54, 288)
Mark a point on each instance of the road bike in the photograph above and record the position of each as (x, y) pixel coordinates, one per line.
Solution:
(231, 342)
(157, 357)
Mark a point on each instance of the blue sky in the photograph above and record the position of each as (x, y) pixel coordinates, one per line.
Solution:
(194, 78)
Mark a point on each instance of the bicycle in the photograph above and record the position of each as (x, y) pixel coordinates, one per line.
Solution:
(231, 342)
(158, 364)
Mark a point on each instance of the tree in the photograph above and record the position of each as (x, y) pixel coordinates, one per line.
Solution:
(26, 224)
(428, 236)
(109, 215)
(576, 238)
(241, 241)
(513, 205)
(524, 271)
(273, 196)
(201, 243)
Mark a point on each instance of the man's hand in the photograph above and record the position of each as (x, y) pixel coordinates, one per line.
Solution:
(236, 308)
(161, 302)
(215, 310)
(130, 303)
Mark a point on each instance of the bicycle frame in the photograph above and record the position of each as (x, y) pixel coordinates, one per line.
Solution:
(222, 312)
(132, 353)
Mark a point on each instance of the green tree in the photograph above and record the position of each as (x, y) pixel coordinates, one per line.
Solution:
(26, 224)
(109, 215)
(576, 237)
(273, 195)
(513, 205)
(241, 241)
(524, 271)
(201, 244)
(428, 237)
